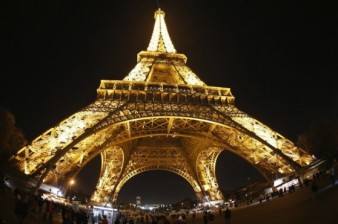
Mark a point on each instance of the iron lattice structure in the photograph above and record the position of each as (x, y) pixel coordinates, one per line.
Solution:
(161, 116)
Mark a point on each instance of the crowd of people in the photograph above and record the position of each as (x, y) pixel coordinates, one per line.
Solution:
(45, 209)
(28, 202)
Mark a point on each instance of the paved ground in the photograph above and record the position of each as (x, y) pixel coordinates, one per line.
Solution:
(299, 207)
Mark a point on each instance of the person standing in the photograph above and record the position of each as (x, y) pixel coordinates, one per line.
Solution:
(104, 220)
(227, 216)
(20, 209)
(193, 215)
(333, 174)
(205, 218)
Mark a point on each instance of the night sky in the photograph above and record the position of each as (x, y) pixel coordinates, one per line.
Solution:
(278, 57)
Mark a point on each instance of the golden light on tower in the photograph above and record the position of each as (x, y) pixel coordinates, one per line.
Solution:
(160, 40)
(161, 116)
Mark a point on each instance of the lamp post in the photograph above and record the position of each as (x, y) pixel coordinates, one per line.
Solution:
(71, 182)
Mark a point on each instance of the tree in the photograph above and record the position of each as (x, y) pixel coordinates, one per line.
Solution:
(11, 138)
(321, 139)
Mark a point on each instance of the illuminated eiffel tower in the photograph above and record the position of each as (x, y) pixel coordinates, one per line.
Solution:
(161, 116)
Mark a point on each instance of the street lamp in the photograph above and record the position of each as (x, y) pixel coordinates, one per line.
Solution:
(71, 182)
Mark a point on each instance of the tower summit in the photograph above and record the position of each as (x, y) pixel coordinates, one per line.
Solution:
(160, 63)
(160, 40)
(161, 116)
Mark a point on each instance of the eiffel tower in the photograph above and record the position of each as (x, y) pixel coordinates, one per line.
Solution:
(161, 116)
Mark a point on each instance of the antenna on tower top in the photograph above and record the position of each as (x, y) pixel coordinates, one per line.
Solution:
(158, 4)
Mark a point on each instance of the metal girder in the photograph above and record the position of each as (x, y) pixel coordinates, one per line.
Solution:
(170, 121)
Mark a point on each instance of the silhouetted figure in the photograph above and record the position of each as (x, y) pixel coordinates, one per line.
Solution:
(205, 218)
(314, 187)
(153, 221)
(117, 220)
(20, 209)
(2, 183)
(193, 215)
(227, 216)
(332, 174)
(104, 220)
(68, 219)
(211, 216)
